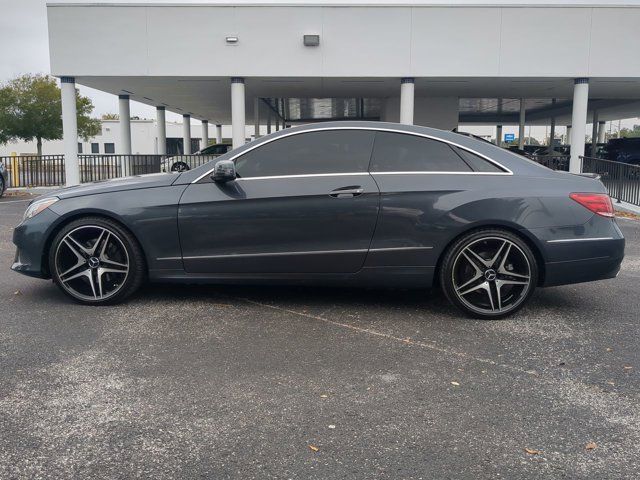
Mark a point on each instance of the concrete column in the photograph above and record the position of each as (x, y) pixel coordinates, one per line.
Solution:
(578, 123)
(205, 134)
(594, 134)
(601, 131)
(521, 133)
(161, 130)
(407, 100)
(552, 130)
(499, 135)
(568, 139)
(218, 134)
(238, 124)
(256, 118)
(186, 134)
(125, 125)
(124, 147)
(70, 130)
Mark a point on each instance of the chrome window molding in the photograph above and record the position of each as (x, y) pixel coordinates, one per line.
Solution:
(568, 240)
(373, 129)
(440, 173)
(349, 174)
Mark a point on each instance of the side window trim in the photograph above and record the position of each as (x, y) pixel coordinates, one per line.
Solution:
(504, 170)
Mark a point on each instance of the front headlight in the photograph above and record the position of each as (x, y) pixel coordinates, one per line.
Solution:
(38, 206)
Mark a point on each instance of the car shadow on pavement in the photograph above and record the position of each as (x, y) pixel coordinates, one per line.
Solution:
(365, 301)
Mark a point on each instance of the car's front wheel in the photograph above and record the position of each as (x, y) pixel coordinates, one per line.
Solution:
(96, 261)
(489, 273)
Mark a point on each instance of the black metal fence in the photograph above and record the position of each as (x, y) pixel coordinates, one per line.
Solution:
(621, 179)
(179, 162)
(28, 170)
(48, 170)
(554, 162)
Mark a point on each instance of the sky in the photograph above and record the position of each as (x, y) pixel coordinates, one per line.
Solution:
(24, 48)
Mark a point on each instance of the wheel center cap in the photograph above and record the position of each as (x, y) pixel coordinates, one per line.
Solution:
(93, 262)
(490, 274)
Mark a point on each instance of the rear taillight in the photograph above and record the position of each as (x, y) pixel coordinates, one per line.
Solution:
(599, 203)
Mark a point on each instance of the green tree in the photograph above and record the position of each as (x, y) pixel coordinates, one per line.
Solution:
(31, 109)
(630, 132)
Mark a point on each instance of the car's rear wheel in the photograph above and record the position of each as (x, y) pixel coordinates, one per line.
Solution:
(96, 261)
(489, 273)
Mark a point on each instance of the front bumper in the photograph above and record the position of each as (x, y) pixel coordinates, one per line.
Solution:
(30, 238)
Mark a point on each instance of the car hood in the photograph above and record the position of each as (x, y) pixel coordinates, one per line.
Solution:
(153, 180)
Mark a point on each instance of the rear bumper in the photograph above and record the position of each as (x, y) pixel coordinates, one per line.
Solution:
(578, 271)
(593, 251)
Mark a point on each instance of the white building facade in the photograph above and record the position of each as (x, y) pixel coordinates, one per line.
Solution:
(275, 63)
(144, 139)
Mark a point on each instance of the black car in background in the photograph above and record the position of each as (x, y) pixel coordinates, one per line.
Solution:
(340, 203)
(626, 150)
(4, 179)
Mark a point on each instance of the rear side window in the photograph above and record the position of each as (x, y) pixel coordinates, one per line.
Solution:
(476, 162)
(333, 151)
(215, 149)
(397, 152)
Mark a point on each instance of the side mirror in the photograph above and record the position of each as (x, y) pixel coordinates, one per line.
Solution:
(224, 171)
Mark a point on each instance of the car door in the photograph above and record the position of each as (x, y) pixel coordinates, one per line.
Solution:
(302, 203)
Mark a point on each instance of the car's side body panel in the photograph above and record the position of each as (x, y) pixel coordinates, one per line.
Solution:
(284, 229)
(278, 225)
(150, 214)
(427, 212)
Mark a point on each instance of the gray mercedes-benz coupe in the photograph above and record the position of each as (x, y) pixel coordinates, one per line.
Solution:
(351, 203)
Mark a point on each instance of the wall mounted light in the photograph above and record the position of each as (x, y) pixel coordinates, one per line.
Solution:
(311, 40)
(232, 39)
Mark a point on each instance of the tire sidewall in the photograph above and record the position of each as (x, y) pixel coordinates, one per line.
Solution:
(136, 262)
(446, 272)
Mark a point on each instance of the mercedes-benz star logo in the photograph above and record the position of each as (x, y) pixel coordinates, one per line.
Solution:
(93, 262)
(490, 275)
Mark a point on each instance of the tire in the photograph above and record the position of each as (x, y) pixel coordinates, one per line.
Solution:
(480, 280)
(180, 167)
(96, 261)
(1, 186)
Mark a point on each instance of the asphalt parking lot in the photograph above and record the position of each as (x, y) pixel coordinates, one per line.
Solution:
(256, 382)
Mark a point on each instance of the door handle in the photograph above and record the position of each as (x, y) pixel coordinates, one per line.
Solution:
(344, 192)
